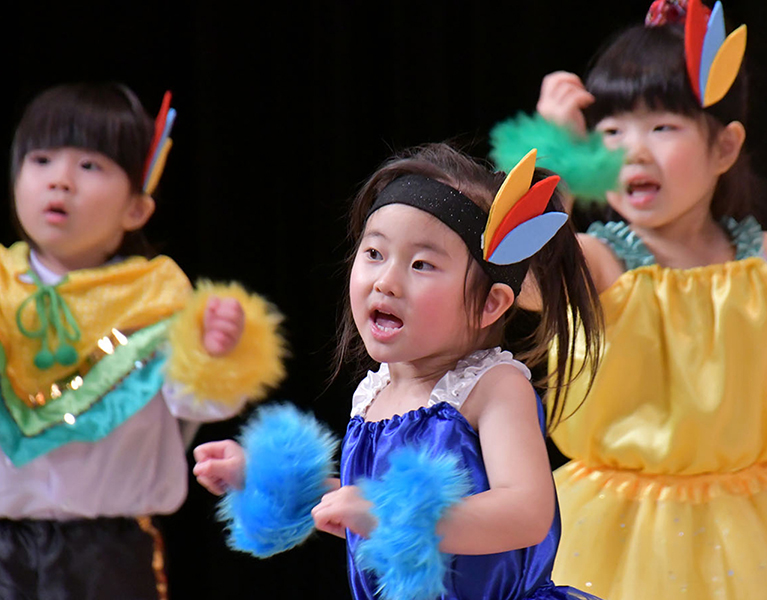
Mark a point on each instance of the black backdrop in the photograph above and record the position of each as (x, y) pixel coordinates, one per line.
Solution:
(284, 109)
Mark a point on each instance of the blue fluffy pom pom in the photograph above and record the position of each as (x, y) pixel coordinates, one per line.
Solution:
(403, 550)
(289, 455)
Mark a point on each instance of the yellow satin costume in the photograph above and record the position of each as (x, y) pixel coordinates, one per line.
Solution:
(666, 497)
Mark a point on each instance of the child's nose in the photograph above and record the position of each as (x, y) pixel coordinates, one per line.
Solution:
(637, 150)
(61, 178)
(387, 283)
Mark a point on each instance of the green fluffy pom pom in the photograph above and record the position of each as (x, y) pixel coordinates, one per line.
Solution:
(66, 355)
(588, 168)
(44, 359)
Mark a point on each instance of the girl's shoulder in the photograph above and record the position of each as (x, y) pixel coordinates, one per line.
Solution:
(504, 384)
(15, 256)
(604, 263)
(456, 385)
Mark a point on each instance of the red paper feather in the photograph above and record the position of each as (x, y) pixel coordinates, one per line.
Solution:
(532, 204)
(695, 27)
(159, 127)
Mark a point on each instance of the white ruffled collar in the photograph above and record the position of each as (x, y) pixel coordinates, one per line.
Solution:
(454, 386)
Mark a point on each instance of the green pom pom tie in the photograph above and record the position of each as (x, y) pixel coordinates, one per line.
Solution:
(586, 165)
(51, 311)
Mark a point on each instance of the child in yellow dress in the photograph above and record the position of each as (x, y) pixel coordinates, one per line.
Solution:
(666, 495)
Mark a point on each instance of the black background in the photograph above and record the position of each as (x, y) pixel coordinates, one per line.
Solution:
(284, 109)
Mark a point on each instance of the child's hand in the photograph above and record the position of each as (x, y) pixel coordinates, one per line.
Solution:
(222, 325)
(344, 508)
(562, 100)
(220, 466)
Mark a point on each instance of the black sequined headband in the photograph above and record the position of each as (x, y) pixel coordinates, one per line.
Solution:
(457, 212)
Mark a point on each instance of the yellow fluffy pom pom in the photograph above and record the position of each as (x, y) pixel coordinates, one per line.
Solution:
(249, 370)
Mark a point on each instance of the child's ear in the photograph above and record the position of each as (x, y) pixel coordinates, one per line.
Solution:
(729, 143)
(141, 208)
(499, 300)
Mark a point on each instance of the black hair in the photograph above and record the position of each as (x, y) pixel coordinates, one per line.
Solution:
(570, 300)
(646, 66)
(103, 117)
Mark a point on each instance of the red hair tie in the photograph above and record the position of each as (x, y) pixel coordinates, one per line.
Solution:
(666, 12)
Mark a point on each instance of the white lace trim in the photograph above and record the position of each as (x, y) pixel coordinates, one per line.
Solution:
(454, 387)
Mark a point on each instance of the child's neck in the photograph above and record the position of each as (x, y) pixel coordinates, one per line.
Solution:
(410, 386)
(62, 266)
(416, 376)
(694, 240)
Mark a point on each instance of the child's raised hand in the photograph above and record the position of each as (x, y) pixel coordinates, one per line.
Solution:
(344, 508)
(220, 466)
(222, 325)
(562, 100)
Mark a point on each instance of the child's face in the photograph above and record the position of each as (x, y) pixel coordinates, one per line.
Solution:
(669, 171)
(74, 204)
(407, 287)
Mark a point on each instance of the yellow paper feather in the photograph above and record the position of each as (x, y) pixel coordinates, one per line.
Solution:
(725, 66)
(516, 184)
(249, 370)
(159, 167)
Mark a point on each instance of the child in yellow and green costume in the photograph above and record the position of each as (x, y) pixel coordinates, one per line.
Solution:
(102, 351)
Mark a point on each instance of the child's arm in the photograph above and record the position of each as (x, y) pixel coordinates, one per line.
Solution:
(562, 100)
(518, 509)
(220, 466)
(225, 348)
(223, 324)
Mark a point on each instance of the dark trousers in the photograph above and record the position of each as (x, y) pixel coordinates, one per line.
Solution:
(89, 559)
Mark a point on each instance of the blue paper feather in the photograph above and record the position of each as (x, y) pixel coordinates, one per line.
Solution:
(408, 501)
(712, 41)
(527, 238)
(169, 121)
(289, 457)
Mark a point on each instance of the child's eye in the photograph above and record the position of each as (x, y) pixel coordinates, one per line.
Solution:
(90, 165)
(422, 265)
(39, 159)
(665, 127)
(373, 254)
(610, 131)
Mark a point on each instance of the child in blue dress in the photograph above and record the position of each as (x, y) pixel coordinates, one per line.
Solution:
(428, 305)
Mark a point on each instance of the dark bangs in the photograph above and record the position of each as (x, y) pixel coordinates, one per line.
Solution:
(642, 66)
(646, 66)
(106, 118)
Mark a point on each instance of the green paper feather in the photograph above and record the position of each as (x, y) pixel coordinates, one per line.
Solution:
(587, 167)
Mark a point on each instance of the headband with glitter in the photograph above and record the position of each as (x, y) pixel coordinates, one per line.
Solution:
(501, 241)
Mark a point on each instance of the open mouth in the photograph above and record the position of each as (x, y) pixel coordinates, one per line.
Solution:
(642, 187)
(56, 208)
(386, 321)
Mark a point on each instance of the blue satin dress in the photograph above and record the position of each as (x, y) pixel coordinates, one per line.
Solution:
(514, 575)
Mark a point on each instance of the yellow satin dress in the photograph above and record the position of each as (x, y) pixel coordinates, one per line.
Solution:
(666, 495)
